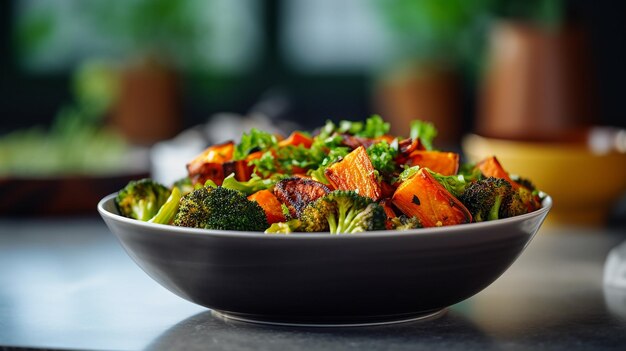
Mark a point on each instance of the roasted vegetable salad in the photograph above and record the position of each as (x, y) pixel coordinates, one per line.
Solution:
(348, 177)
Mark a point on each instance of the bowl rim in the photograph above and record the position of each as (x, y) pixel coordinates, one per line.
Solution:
(168, 229)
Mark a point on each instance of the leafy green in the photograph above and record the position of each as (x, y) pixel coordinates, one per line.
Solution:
(382, 155)
(425, 131)
(169, 209)
(291, 156)
(408, 173)
(350, 127)
(264, 165)
(373, 127)
(255, 140)
(248, 187)
(454, 184)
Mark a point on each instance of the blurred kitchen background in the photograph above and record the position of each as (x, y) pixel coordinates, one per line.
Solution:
(92, 88)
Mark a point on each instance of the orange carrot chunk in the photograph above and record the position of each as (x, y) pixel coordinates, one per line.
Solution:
(423, 197)
(270, 204)
(355, 172)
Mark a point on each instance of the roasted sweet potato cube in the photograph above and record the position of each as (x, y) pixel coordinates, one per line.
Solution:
(208, 165)
(208, 171)
(297, 192)
(446, 163)
(423, 197)
(297, 138)
(213, 154)
(240, 168)
(270, 204)
(355, 172)
(406, 147)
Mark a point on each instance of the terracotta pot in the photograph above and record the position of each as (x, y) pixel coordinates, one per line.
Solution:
(537, 84)
(425, 92)
(148, 109)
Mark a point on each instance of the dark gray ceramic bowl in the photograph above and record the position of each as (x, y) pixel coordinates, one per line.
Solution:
(324, 279)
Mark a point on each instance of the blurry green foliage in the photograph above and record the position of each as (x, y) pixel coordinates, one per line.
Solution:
(77, 141)
(549, 14)
(96, 86)
(165, 28)
(73, 145)
(454, 32)
(434, 30)
(33, 31)
(220, 36)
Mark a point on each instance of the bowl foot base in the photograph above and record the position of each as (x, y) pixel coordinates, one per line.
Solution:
(324, 322)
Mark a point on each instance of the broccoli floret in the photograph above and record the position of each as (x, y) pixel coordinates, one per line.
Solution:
(530, 195)
(141, 199)
(343, 212)
(405, 223)
(338, 212)
(314, 217)
(530, 198)
(493, 198)
(525, 182)
(220, 208)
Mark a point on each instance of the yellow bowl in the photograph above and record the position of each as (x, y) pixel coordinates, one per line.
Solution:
(583, 185)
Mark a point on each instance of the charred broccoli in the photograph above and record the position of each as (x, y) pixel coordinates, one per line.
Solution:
(525, 182)
(343, 212)
(338, 212)
(531, 196)
(220, 208)
(141, 199)
(405, 223)
(493, 198)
